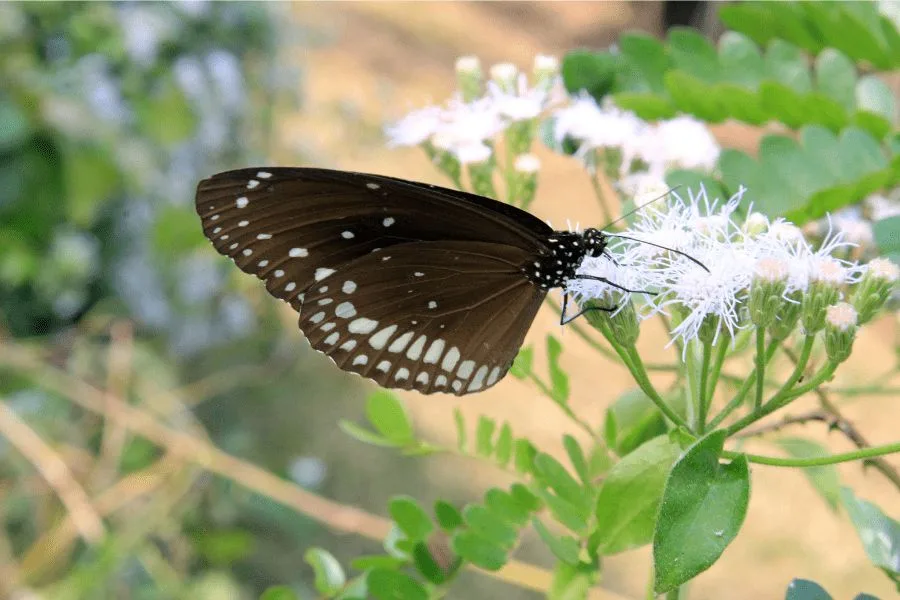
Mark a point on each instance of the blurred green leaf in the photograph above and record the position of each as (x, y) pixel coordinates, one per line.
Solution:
(629, 499)
(887, 236)
(559, 381)
(386, 584)
(504, 447)
(165, 116)
(703, 506)
(377, 561)
(389, 417)
(521, 366)
(461, 436)
(224, 546)
(523, 456)
(645, 62)
(329, 576)
(836, 77)
(525, 498)
(477, 550)
(426, 565)
(873, 95)
(175, 232)
(740, 59)
(568, 514)
(593, 72)
(447, 516)
(576, 457)
(695, 96)
(15, 128)
(572, 582)
(632, 420)
(504, 505)
(484, 432)
(803, 589)
(364, 435)
(357, 589)
(880, 534)
(692, 53)
(825, 478)
(647, 106)
(410, 518)
(279, 592)
(565, 548)
(786, 64)
(553, 474)
(91, 177)
(490, 526)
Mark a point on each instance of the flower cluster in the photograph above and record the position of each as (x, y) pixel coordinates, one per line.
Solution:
(754, 271)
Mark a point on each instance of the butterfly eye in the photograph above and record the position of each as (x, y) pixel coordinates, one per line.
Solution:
(409, 284)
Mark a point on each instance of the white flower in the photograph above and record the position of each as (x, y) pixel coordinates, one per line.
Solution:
(595, 127)
(704, 231)
(855, 228)
(524, 105)
(464, 128)
(841, 316)
(527, 163)
(683, 142)
(415, 128)
(882, 207)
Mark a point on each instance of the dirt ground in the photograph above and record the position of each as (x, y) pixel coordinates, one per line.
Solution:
(374, 61)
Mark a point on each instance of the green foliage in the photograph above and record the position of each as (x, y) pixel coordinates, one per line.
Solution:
(630, 421)
(703, 507)
(279, 592)
(880, 534)
(329, 576)
(887, 236)
(804, 589)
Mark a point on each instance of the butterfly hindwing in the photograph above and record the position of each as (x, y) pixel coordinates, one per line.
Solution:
(430, 316)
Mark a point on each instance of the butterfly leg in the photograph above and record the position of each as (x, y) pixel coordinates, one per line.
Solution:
(616, 285)
(564, 321)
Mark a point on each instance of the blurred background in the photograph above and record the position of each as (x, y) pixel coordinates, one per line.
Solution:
(129, 349)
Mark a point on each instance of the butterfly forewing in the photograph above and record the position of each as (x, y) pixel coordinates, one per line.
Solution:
(430, 316)
(331, 241)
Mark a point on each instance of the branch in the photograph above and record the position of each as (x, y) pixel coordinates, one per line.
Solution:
(55, 472)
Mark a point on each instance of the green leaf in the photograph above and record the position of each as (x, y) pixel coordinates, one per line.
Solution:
(525, 498)
(483, 436)
(564, 548)
(632, 420)
(740, 60)
(410, 518)
(174, 232)
(629, 500)
(590, 71)
(504, 447)
(224, 546)
(279, 592)
(377, 561)
(523, 456)
(568, 514)
(693, 54)
(166, 117)
(478, 550)
(504, 505)
(887, 235)
(386, 584)
(572, 582)
(389, 417)
(703, 506)
(461, 436)
(559, 381)
(329, 576)
(645, 62)
(873, 95)
(426, 565)
(786, 64)
(803, 589)
(14, 126)
(447, 516)
(552, 474)
(364, 435)
(836, 77)
(92, 176)
(490, 526)
(647, 106)
(692, 95)
(824, 478)
(694, 181)
(576, 457)
(521, 366)
(357, 589)
(880, 534)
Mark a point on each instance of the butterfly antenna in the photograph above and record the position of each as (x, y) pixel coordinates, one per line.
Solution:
(684, 254)
(637, 208)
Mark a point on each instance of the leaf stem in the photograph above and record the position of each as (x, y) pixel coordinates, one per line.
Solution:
(721, 353)
(818, 461)
(643, 381)
(738, 398)
(703, 403)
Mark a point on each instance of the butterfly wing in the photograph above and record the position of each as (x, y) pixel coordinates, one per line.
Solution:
(292, 226)
(441, 316)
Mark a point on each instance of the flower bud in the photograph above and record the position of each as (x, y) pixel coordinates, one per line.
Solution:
(840, 329)
(875, 288)
(623, 323)
(709, 327)
(756, 224)
(469, 77)
(767, 291)
(505, 75)
(546, 68)
(827, 276)
(519, 136)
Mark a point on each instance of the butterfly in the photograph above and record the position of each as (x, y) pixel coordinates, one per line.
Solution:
(412, 285)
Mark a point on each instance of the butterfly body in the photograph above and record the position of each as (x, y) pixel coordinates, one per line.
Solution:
(413, 285)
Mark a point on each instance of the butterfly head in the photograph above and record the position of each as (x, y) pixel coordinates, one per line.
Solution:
(594, 242)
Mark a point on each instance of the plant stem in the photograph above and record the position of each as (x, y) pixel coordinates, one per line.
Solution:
(760, 366)
(703, 403)
(742, 392)
(640, 376)
(721, 353)
(580, 332)
(818, 461)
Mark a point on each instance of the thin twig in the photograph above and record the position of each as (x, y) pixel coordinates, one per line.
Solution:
(815, 415)
(55, 472)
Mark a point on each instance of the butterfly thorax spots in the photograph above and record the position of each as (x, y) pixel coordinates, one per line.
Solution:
(565, 251)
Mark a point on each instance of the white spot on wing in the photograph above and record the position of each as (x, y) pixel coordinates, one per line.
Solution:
(465, 369)
(402, 373)
(450, 359)
(263, 174)
(345, 310)
(263, 263)
(419, 274)
(432, 304)
(381, 338)
(415, 351)
(290, 287)
(384, 366)
(362, 325)
(348, 345)
(322, 273)
(456, 385)
(247, 251)
(233, 246)
(347, 235)
(373, 186)
(278, 273)
(434, 352)
(494, 376)
(478, 381)
(400, 343)
(440, 381)
(328, 326)
(325, 301)
(360, 360)
(298, 252)
(242, 202)
(252, 184)
(317, 318)
(332, 339)
(243, 223)
(349, 287)
(387, 222)
(264, 236)
(422, 378)
(216, 217)
(217, 230)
